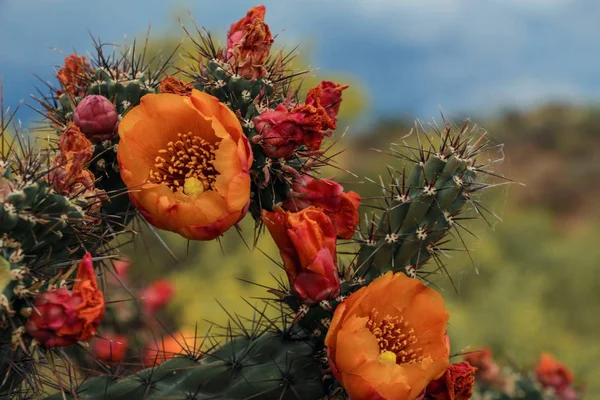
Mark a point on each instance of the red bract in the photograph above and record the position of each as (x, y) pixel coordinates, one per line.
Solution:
(62, 318)
(306, 242)
(456, 383)
(156, 295)
(97, 118)
(111, 348)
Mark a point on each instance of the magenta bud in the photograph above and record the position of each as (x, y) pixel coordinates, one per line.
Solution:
(97, 118)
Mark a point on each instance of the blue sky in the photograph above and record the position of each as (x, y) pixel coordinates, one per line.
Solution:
(415, 56)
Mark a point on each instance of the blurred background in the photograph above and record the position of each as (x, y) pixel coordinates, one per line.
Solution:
(525, 70)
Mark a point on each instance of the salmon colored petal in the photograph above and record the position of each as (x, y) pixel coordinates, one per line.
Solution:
(212, 107)
(239, 192)
(354, 348)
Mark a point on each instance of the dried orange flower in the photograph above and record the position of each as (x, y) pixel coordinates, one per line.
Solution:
(186, 162)
(387, 340)
(62, 317)
(175, 86)
(73, 76)
(456, 383)
(555, 375)
(248, 44)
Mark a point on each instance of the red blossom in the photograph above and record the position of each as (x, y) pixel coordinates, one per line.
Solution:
(157, 295)
(456, 383)
(62, 317)
(111, 348)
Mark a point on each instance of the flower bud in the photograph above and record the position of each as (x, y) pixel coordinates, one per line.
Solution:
(97, 118)
(156, 295)
(306, 242)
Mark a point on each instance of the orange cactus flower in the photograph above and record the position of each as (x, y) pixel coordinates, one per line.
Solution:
(553, 374)
(186, 162)
(74, 75)
(167, 347)
(306, 242)
(387, 340)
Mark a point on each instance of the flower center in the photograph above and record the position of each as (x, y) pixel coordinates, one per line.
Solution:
(186, 165)
(396, 340)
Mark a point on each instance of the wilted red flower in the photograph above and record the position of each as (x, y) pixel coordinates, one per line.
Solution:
(111, 348)
(327, 95)
(97, 117)
(328, 195)
(387, 341)
(306, 242)
(281, 132)
(488, 372)
(175, 86)
(156, 295)
(248, 44)
(456, 383)
(73, 76)
(62, 317)
(553, 374)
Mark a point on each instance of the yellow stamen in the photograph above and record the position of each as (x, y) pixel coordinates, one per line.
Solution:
(188, 160)
(395, 337)
(193, 186)
(387, 357)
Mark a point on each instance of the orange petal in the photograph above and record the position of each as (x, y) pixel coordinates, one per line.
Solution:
(211, 107)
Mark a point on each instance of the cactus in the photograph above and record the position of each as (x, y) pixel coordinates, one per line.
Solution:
(262, 365)
(121, 78)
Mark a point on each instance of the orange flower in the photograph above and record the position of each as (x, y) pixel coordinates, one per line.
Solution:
(552, 373)
(248, 44)
(186, 162)
(62, 318)
(74, 75)
(175, 86)
(165, 348)
(456, 383)
(306, 242)
(387, 340)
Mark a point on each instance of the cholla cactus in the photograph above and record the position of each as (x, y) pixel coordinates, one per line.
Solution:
(196, 157)
(50, 217)
(93, 95)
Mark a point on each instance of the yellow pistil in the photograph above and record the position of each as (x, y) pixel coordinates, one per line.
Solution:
(395, 339)
(186, 165)
(387, 357)
(193, 186)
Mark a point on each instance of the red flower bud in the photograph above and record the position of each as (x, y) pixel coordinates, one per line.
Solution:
(488, 372)
(342, 208)
(62, 318)
(111, 348)
(306, 242)
(456, 383)
(97, 118)
(156, 295)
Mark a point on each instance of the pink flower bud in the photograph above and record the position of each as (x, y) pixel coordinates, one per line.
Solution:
(156, 295)
(97, 118)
